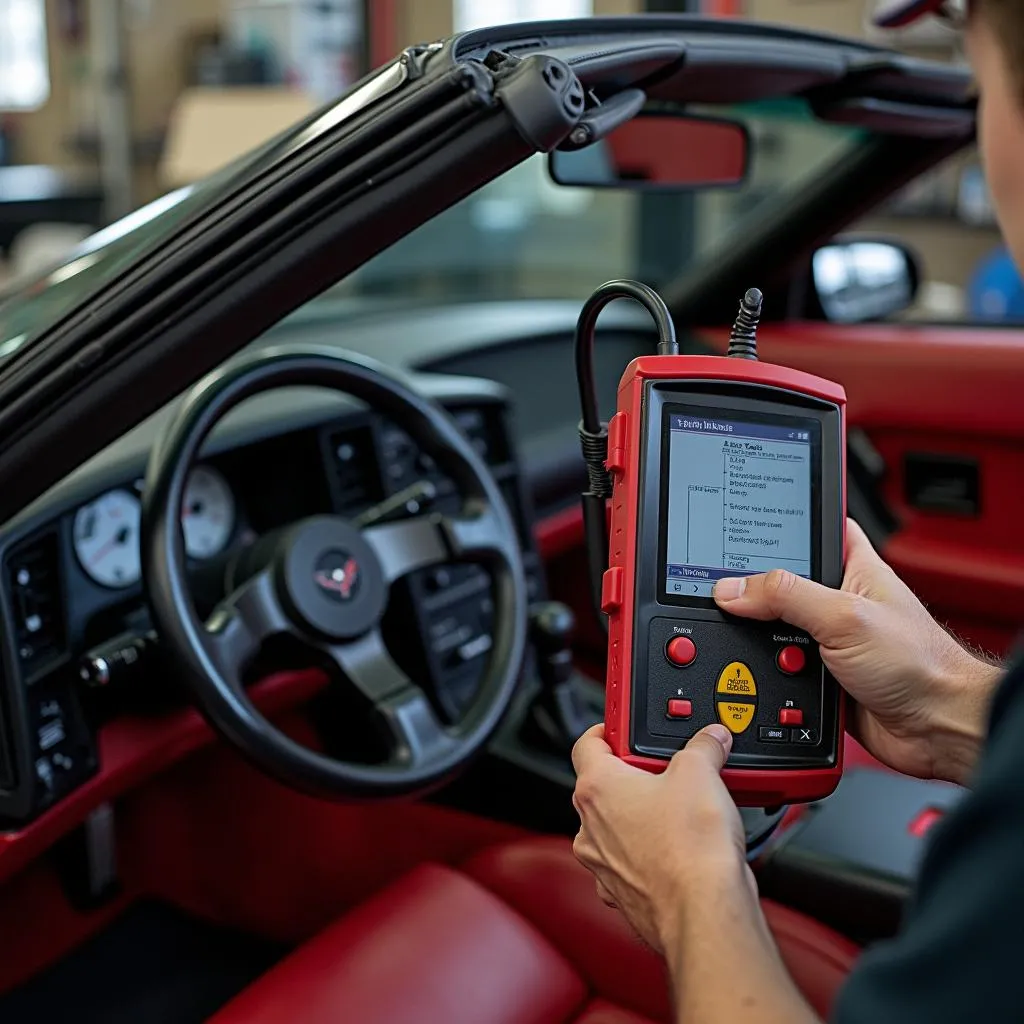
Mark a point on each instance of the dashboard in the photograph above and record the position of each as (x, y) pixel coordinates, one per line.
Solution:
(71, 582)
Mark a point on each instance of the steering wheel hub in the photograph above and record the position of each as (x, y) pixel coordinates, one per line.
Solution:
(330, 579)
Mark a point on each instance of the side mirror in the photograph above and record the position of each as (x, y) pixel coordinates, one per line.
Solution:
(659, 152)
(859, 280)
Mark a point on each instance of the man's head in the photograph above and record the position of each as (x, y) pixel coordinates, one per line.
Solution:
(994, 31)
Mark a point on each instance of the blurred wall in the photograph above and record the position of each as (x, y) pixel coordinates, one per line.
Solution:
(840, 17)
(160, 35)
(156, 48)
(158, 40)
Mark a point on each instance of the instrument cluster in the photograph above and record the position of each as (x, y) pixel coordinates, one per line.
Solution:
(106, 531)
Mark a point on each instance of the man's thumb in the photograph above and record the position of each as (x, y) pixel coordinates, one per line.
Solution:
(783, 595)
(712, 744)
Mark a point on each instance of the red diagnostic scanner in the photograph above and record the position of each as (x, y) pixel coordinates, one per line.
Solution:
(722, 467)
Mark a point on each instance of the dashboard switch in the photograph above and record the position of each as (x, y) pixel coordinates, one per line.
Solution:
(791, 660)
(123, 659)
(791, 716)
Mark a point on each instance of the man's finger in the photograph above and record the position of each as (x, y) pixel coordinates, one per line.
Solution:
(590, 749)
(784, 595)
(712, 745)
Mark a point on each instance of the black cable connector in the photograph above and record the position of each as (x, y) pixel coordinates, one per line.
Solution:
(586, 327)
(743, 339)
(593, 430)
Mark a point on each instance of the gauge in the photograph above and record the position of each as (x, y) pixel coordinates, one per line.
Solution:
(106, 535)
(207, 513)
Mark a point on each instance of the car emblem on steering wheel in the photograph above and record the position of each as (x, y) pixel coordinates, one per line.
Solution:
(337, 575)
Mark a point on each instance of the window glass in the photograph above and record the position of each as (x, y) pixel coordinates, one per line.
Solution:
(523, 236)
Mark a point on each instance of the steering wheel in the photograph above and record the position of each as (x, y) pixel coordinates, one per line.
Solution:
(326, 582)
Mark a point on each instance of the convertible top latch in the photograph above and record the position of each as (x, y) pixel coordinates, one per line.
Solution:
(604, 118)
(543, 97)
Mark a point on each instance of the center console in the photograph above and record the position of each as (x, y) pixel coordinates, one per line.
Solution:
(851, 860)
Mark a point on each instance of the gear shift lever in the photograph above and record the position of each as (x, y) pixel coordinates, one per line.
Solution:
(552, 625)
(558, 710)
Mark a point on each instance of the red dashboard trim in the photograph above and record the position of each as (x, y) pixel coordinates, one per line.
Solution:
(132, 750)
(560, 531)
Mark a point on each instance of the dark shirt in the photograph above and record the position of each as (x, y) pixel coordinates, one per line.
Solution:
(960, 954)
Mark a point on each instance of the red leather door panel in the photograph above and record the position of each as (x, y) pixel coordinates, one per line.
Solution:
(945, 391)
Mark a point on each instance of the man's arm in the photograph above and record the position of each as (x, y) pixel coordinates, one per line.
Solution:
(724, 965)
(668, 850)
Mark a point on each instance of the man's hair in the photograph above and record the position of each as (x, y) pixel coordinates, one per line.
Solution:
(1006, 17)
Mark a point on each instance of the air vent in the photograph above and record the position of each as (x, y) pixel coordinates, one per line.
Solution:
(404, 463)
(486, 433)
(33, 575)
(358, 484)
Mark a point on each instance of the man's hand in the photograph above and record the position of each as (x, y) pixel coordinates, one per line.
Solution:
(645, 837)
(668, 850)
(922, 699)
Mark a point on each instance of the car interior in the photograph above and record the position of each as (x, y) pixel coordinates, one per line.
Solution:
(217, 802)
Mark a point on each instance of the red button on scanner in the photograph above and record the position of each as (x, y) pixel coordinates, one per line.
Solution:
(679, 708)
(681, 650)
(791, 716)
(791, 659)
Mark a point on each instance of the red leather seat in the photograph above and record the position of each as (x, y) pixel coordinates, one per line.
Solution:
(518, 936)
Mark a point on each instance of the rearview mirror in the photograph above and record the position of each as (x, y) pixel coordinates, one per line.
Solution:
(659, 151)
(857, 281)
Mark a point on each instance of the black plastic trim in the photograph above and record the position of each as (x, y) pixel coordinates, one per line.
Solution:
(853, 860)
(892, 117)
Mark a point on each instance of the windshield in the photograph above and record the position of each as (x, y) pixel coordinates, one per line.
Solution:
(102, 257)
(523, 236)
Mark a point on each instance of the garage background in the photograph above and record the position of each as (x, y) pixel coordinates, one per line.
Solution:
(108, 104)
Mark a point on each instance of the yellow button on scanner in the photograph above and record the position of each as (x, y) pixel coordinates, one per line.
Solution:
(734, 716)
(736, 679)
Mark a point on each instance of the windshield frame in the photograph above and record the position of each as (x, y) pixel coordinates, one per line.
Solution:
(104, 261)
